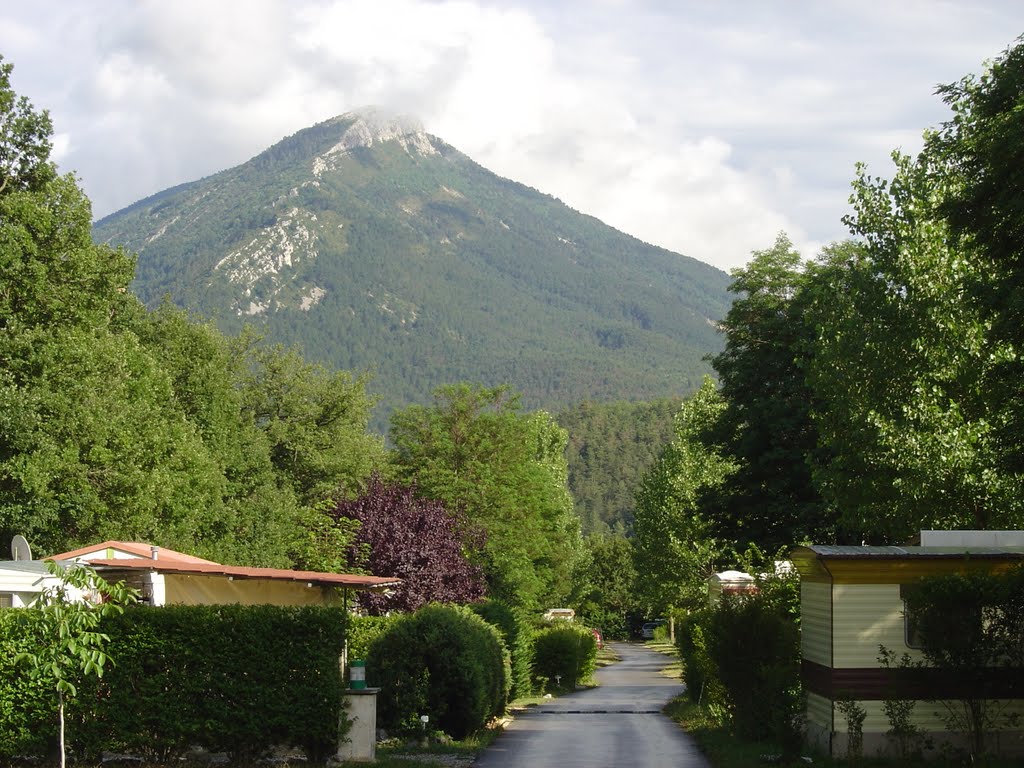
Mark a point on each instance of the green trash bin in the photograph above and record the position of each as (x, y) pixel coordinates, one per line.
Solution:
(357, 675)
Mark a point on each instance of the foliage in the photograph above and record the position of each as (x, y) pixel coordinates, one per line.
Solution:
(673, 546)
(903, 732)
(610, 599)
(970, 626)
(363, 630)
(699, 670)
(416, 540)
(611, 447)
(25, 704)
(502, 472)
(854, 714)
(754, 642)
(518, 633)
(24, 140)
(444, 662)
(765, 427)
(977, 155)
(902, 368)
(315, 421)
(564, 650)
(232, 678)
(66, 644)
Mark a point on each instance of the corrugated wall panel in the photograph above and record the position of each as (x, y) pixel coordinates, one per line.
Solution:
(819, 711)
(864, 617)
(816, 622)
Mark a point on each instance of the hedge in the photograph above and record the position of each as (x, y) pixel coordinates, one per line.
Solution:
(28, 711)
(363, 630)
(444, 662)
(229, 678)
(564, 650)
(517, 632)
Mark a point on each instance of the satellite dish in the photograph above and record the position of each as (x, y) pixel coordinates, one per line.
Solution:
(20, 549)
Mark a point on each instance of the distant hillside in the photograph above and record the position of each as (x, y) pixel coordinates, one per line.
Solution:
(611, 448)
(380, 248)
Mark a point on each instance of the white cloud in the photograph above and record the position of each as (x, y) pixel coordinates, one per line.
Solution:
(684, 123)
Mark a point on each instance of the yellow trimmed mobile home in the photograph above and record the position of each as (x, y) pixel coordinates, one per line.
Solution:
(851, 602)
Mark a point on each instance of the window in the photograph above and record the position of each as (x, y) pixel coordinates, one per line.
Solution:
(6, 600)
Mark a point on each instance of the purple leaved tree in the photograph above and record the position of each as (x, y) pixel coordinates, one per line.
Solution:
(416, 540)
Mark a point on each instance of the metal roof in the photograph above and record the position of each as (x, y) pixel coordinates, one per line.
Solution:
(35, 567)
(349, 580)
(845, 552)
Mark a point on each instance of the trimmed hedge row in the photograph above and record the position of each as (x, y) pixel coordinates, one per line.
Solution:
(564, 650)
(517, 632)
(228, 678)
(28, 722)
(363, 630)
(445, 662)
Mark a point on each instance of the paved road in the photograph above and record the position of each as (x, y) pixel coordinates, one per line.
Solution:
(616, 725)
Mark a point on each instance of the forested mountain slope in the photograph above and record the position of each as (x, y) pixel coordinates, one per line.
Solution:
(378, 247)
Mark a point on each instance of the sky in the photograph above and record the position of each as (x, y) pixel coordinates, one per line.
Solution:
(703, 126)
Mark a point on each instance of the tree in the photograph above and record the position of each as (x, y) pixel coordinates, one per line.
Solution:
(901, 370)
(500, 471)
(978, 156)
(315, 421)
(611, 595)
(24, 140)
(674, 549)
(766, 426)
(416, 539)
(64, 624)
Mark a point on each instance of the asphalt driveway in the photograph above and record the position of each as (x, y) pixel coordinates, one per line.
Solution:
(616, 725)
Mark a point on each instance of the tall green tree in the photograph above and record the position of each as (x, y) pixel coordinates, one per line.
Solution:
(504, 472)
(766, 427)
(978, 156)
(674, 546)
(315, 421)
(902, 368)
(24, 140)
(610, 598)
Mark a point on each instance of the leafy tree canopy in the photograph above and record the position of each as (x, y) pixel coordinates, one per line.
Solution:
(504, 472)
(415, 539)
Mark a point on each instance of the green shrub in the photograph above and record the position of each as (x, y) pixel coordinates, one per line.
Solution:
(230, 678)
(445, 662)
(699, 670)
(363, 630)
(564, 650)
(27, 722)
(754, 642)
(517, 632)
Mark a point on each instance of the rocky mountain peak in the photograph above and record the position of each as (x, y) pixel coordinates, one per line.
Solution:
(372, 125)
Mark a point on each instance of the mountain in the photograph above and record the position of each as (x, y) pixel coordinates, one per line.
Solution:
(378, 247)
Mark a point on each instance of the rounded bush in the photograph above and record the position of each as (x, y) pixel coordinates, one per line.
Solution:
(445, 662)
(564, 650)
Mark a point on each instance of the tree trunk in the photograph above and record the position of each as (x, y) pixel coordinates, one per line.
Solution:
(60, 717)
